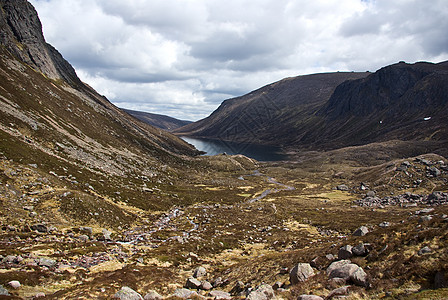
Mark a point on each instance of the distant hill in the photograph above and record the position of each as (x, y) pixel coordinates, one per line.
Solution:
(156, 120)
(272, 114)
(328, 111)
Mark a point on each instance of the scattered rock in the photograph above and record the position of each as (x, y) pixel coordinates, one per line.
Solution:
(184, 293)
(84, 238)
(3, 291)
(384, 224)
(220, 295)
(39, 295)
(424, 219)
(87, 230)
(348, 271)
(309, 297)
(127, 293)
(193, 283)
(106, 234)
(238, 288)
(199, 272)
(206, 286)
(46, 262)
(14, 284)
(263, 292)
(360, 250)
(424, 250)
(370, 194)
(345, 252)
(342, 291)
(342, 187)
(40, 228)
(361, 231)
(300, 273)
(153, 295)
(359, 277)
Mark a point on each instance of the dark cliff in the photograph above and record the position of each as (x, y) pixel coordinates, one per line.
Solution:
(21, 34)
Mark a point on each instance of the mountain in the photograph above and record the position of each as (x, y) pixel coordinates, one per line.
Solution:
(50, 119)
(156, 120)
(272, 114)
(329, 111)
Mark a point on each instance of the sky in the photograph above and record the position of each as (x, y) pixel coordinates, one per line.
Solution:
(182, 58)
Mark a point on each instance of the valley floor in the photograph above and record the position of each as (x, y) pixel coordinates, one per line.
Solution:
(252, 227)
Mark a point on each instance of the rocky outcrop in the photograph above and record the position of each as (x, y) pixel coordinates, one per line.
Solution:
(21, 34)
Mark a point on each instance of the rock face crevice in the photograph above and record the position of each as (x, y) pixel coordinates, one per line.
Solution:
(21, 34)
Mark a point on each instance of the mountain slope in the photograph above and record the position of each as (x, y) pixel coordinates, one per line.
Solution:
(328, 111)
(271, 114)
(156, 120)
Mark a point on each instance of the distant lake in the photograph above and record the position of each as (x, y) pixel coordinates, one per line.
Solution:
(258, 152)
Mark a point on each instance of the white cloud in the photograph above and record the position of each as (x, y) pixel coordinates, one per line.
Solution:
(182, 58)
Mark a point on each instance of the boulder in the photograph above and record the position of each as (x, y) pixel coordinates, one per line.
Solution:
(342, 187)
(40, 228)
(87, 230)
(300, 273)
(348, 271)
(3, 291)
(127, 293)
(184, 293)
(345, 252)
(206, 286)
(309, 297)
(106, 234)
(361, 231)
(199, 272)
(342, 291)
(153, 295)
(360, 278)
(360, 250)
(46, 262)
(14, 284)
(193, 283)
(424, 250)
(220, 295)
(263, 292)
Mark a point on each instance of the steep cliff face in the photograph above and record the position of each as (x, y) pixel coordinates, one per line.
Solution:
(21, 34)
(400, 88)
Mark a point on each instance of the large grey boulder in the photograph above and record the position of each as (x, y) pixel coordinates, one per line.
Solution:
(300, 273)
(348, 271)
(126, 293)
(263, 292)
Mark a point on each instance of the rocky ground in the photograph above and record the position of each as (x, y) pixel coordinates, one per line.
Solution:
(278, 230)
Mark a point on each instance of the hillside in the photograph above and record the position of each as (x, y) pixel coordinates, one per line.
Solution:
(271, 114)
(156, 120)
(328, 111)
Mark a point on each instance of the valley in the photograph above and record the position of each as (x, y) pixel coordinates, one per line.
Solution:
(98, 204)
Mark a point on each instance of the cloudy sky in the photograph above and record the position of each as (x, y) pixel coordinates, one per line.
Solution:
(182, 58)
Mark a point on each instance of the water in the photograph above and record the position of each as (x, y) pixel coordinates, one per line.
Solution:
(258, 152)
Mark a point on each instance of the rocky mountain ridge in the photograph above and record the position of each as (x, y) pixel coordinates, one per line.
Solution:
(403, 101)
